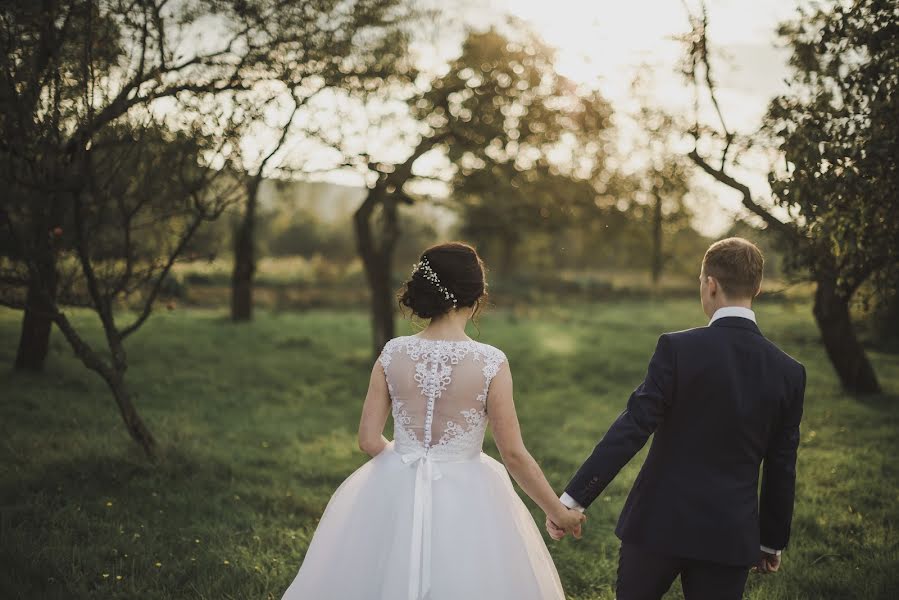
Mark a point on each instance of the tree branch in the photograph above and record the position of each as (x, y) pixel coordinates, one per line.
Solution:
(786, 229)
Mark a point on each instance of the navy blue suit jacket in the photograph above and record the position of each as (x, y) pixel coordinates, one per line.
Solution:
(722, 401)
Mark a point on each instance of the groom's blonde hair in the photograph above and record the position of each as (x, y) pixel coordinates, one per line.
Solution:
(737, 264)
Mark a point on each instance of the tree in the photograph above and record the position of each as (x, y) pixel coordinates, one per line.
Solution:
(72, 67)
(663, 180)
(837, 132)
(499, 103)
(506, 205)
(542, 172)
(245, 231)
(93, 93)
(361, 46)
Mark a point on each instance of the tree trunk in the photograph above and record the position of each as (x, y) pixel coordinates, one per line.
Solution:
(37, 321)
(133, 422)
(382, 302)
(377, 260)
(114, 376)
(838, 335)
(34, 338)
(657, 241)
(509, 263)
(244, 260)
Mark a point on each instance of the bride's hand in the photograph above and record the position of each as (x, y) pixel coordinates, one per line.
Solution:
(568, 520)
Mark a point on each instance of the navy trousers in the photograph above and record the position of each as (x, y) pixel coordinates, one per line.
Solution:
(646, 575)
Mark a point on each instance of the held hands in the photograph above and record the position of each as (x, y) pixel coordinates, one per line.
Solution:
(565, 521)
(768, 563)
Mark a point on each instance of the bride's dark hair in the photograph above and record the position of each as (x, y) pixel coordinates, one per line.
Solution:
(458, 268)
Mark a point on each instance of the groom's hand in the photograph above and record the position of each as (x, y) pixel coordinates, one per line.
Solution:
(576, 532)
(572, 525)
(768, 563)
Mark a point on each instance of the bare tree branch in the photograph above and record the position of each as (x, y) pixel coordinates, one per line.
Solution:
(748, 201)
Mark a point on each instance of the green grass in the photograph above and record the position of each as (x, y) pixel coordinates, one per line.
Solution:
(257, 423)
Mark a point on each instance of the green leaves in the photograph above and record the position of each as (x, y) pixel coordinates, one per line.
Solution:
(839, 134)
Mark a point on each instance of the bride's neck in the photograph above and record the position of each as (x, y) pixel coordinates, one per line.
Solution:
(448, 326)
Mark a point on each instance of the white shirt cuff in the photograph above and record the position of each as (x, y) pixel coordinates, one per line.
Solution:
(571, 502)
(771, 550)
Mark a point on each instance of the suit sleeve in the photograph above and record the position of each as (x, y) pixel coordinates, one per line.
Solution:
(628, 434)
(779, 475)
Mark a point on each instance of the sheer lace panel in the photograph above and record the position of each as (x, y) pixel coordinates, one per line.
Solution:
(438, 390)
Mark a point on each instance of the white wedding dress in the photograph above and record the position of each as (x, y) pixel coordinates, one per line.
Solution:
(431, 517)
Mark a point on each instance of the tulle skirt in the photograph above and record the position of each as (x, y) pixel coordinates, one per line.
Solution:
(398, 528)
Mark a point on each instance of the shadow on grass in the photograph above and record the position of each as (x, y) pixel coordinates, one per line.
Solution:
(177, 474)
(885, 403)
(96, 524)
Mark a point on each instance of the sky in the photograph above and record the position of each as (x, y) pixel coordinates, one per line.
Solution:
(605, 44)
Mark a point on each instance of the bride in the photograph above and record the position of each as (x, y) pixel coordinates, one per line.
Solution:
(431, 516)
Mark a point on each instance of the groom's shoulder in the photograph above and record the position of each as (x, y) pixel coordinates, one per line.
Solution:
(695, 338)
(686, 338)
(785, 363)
(686, 332)
(785, 357)
(682, 340)
(694, 333)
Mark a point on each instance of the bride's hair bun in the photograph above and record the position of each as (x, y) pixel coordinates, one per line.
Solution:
(459, 275)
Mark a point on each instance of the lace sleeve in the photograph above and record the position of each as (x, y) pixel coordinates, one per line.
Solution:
(386, 353)
(492, 362)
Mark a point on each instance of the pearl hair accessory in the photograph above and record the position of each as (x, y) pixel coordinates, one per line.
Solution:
(431, 276)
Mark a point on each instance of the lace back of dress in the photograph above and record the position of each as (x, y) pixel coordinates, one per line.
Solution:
(438, 390)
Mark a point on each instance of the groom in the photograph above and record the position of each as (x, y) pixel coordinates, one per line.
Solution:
(721, 400)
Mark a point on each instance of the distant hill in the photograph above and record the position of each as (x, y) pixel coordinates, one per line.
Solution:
(333, 202)
(330, 201)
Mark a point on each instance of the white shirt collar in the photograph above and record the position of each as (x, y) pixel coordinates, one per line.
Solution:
(733, 311)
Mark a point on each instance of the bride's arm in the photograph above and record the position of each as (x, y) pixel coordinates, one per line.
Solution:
(374, 413)
(519, 462)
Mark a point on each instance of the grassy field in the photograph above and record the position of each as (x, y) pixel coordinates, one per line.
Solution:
(257, 427)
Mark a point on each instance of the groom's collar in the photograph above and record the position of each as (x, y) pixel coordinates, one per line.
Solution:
(735, 316)
(733, 311)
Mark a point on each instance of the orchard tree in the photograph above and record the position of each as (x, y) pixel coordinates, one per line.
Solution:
(504, 206)
(838, 135)
(660, 180)
(349, 46)
(118, 121)
(500, 102)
